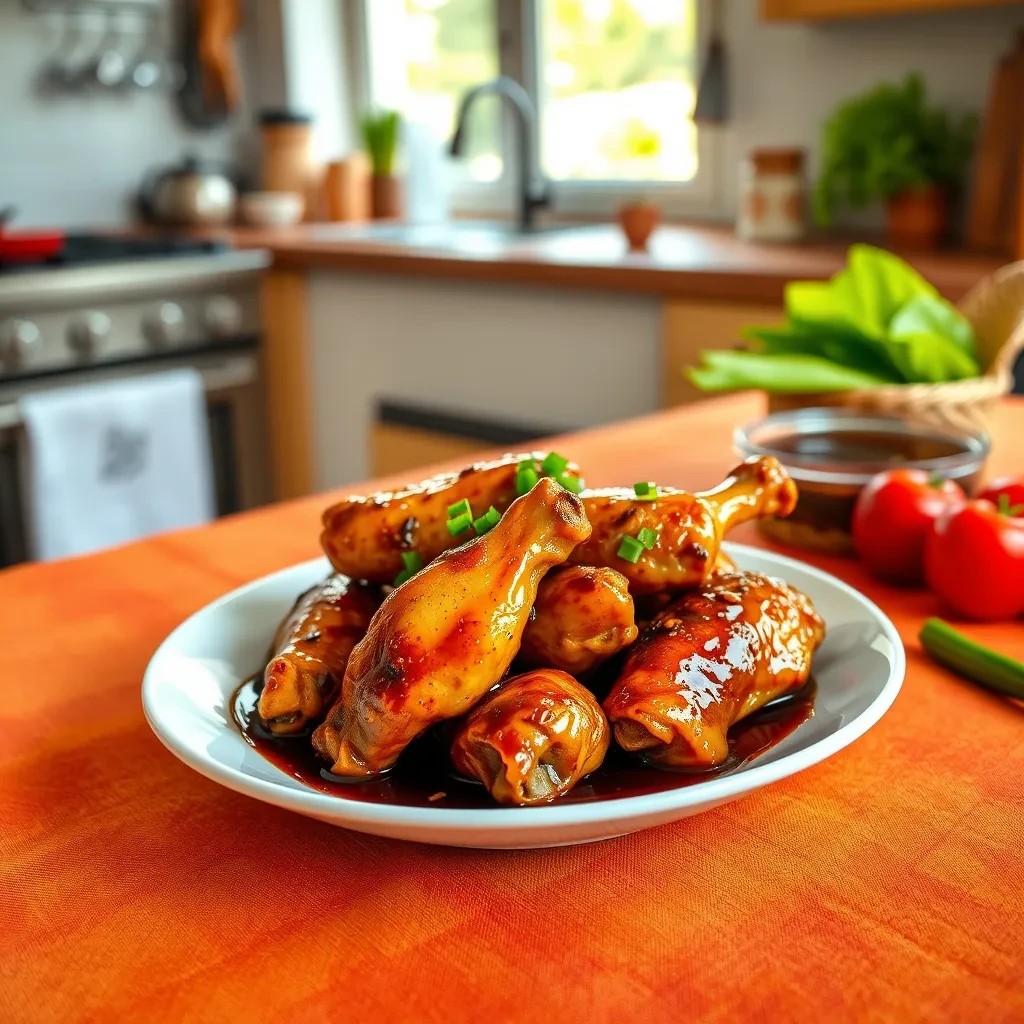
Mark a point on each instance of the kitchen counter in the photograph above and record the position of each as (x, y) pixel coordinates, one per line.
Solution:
(707, 263)
(879, 883)
(392, 309)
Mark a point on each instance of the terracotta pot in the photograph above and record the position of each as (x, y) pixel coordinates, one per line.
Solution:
(638, 220)
(917, 218)
(386, 197)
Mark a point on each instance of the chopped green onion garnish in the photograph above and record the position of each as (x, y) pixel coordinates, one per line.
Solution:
(459, 508)
(554, 464)
(630, 549)
(412, 561)
(460, 524)
(526, 477)
(487, 521)
(404, 575)
(570, 482)
(647, 537)
(646, 490)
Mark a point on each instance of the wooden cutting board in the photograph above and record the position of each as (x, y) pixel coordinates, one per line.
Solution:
(992, 217)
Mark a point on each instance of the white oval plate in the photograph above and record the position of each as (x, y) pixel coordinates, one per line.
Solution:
(188, 685)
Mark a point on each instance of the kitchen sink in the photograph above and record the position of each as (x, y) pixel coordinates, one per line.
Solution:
(459, 234)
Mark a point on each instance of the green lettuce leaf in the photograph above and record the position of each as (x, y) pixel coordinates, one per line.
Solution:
(827, 306)
(850, 350)
(932, 314)
(875, 322)
(736, 370)
(881, 284)
(930, 341)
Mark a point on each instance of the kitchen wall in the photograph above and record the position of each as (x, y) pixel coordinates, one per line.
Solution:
(787, 77)
(79, 159)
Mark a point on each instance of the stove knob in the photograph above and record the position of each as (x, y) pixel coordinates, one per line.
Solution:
(165, 325)
(17, 339)
(87, 333)
(222, 316)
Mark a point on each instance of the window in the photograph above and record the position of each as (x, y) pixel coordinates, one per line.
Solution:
(616, 89)
(612, 81)
(423, 55)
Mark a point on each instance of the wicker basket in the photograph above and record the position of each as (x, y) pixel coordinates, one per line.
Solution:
(995, 307)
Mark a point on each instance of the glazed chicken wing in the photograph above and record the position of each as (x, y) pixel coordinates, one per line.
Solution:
(310, 651)
(707, 661)
(442, 639)
(582, 616)
(533, 739)
(364, 537)
(690, 527)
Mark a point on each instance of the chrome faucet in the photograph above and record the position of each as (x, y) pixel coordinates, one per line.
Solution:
(532, 195)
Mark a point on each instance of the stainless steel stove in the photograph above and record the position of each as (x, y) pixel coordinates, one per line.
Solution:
(109, 307)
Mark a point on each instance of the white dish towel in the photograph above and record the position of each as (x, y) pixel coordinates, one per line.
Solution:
(114, 461)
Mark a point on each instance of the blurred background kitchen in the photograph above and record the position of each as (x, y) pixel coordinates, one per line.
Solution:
(251, 249)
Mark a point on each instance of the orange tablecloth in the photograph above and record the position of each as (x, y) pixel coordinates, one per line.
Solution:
(884, 883)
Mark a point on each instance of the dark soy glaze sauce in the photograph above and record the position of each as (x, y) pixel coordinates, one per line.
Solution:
(873, 447)
(424, 771)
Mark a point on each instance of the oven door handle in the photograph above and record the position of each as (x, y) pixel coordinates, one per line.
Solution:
(235, 372)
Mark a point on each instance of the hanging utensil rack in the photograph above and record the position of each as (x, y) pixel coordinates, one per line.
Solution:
(81, 6)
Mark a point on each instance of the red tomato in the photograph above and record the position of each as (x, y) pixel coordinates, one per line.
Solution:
(893, 516)
(1006, 493)
(974, 561)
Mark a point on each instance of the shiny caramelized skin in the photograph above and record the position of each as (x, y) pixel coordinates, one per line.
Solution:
(365, 536)
(443, 638)
(650, 605)
(533, 738)
(310, 652)
(582, 616)
(690, 527)
(707, 661)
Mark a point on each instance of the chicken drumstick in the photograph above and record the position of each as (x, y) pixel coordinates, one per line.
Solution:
(709, 660)
(442, 639)
(689, 527)
(533, 739)
(582, 617)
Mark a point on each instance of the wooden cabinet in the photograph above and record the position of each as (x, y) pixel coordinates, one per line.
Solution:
(828, 10)
(689, 327)
(396, 449)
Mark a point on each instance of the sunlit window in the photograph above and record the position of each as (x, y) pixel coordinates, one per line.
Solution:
(424, 54)
(617, 89)
(612, 81)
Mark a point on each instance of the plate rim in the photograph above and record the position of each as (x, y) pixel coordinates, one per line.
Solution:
(607, 811)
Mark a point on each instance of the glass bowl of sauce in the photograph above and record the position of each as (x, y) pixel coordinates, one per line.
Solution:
(832, 453)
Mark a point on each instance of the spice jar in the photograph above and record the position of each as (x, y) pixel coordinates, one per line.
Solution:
(771, 206)
(288, 164)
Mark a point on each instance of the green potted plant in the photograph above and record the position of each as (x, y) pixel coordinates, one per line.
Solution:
(889, 144)
(380, 136)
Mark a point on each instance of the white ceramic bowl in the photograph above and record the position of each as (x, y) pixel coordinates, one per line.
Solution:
(189, 682)
(271, 209)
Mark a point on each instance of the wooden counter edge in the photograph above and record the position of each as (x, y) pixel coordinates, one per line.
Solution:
(751, 285)
(755, 287)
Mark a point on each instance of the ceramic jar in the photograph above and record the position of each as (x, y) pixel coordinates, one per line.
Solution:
(771, 200)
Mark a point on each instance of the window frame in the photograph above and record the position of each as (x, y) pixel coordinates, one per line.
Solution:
(518, 49)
